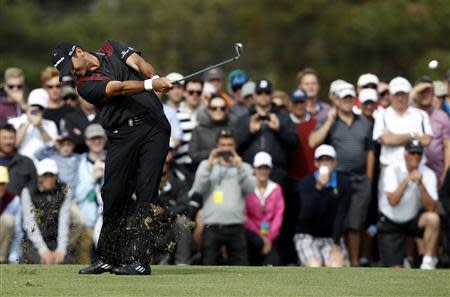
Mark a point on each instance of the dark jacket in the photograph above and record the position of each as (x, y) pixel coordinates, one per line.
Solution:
(322, 213)
(275, 143)
(22, 173)
(204, 136)
(76, 123)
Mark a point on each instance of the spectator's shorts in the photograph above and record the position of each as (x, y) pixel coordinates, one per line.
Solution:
(309, 247)
(392, 238)
(359, 204)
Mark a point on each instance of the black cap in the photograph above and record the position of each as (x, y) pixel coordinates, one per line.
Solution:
(62, 57)
(263, 85)
(298, 95)
(423, 79)
(414, 146)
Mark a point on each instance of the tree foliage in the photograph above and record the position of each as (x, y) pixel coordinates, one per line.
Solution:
(341, 39)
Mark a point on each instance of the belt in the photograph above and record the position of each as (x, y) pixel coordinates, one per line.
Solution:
(137, 120)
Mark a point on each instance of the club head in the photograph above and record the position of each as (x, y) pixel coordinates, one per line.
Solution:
(239, 47)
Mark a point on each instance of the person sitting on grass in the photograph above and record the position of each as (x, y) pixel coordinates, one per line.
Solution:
(46, 217)
(324, 201)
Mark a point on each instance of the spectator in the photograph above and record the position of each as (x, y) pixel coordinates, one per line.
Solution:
(78, 120)
(365, 81)
(408, 203)
(438, 152)
(400, 123)
(324, 197)
(308, 80)
(33, 131)
(10, 221)
(46, 217)
(215, 77)
(174, 98)
(440, 96)
(70, 97)
(21, 169)
(87, 192)
(12, 99)
(224, 181)
(368, 100)
(236, 79)
(350, 134)
(173, 195)
(384, 100)
(187, 115)
(281, 100)
(210, 123)
(264, 211)
(334, 86)
(57, 109)
(61, 151)
(266, 128)
(242, 104)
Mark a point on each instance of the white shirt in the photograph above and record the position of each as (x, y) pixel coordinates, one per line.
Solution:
(411, 201)
(412, 120)
(33, 140)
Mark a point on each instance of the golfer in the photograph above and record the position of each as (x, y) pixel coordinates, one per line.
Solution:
(122, 86)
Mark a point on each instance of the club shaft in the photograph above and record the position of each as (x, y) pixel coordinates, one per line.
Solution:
(203, 70)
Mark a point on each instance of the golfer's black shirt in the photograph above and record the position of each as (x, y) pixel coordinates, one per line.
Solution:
(117, 110)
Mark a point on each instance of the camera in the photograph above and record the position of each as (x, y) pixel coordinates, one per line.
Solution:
(264, 118)
(224, 154)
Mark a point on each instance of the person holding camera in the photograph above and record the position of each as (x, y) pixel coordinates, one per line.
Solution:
(325, 198)
(224, 182)
(33, 131)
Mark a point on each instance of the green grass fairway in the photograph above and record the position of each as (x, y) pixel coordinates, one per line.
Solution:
(39, 280)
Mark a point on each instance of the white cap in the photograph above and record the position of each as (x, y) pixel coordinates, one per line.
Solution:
(368, 95)
(175, 76)
(38, 97)
(345, 89)
(47, 166)
(248, 89)
(335, 85)
(262, 159)
(399, 84)
(367, 78)
(208, 88)
(325, 150)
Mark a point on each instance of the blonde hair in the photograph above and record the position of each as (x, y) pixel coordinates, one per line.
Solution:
(13, 72)
(48, 73)
(302, 73)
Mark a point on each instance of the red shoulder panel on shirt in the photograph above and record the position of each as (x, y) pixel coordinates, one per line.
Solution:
(107, 49)
(93, 76)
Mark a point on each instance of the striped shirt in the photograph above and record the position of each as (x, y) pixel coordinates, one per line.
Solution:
(351, 144)
(188, 121)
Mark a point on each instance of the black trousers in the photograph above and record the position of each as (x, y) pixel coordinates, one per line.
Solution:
(134, 162)
(232, 237)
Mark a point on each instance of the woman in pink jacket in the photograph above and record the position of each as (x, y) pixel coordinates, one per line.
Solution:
(264, 211)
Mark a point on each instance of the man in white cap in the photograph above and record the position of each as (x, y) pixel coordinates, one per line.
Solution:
(365, 81)
(368, 99)
(46, 217)
(351, 135)
(324, 198)
(400, 123)
(33, 131)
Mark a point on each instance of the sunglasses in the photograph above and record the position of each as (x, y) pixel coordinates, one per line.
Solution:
(192, 92)
(71, 97)
(236, 88)
(215, 108)
(53, 86)
(263, 92)
(15, 87)
(415, 153)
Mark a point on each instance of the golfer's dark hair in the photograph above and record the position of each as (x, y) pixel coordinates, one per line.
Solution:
(225, 133)
(305, 72)
(8, 127)
(195, 81)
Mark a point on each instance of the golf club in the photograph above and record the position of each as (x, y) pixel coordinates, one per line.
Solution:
(239, 47)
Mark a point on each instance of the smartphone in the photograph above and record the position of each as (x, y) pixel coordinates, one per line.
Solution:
(264, 118)
(225, 154)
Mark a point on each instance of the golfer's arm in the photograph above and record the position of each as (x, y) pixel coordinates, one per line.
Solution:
(124, 88)
(139, 64)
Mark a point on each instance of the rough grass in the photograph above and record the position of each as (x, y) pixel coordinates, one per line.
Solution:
(40, 280)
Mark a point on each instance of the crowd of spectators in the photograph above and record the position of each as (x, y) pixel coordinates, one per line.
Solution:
(254, 176)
